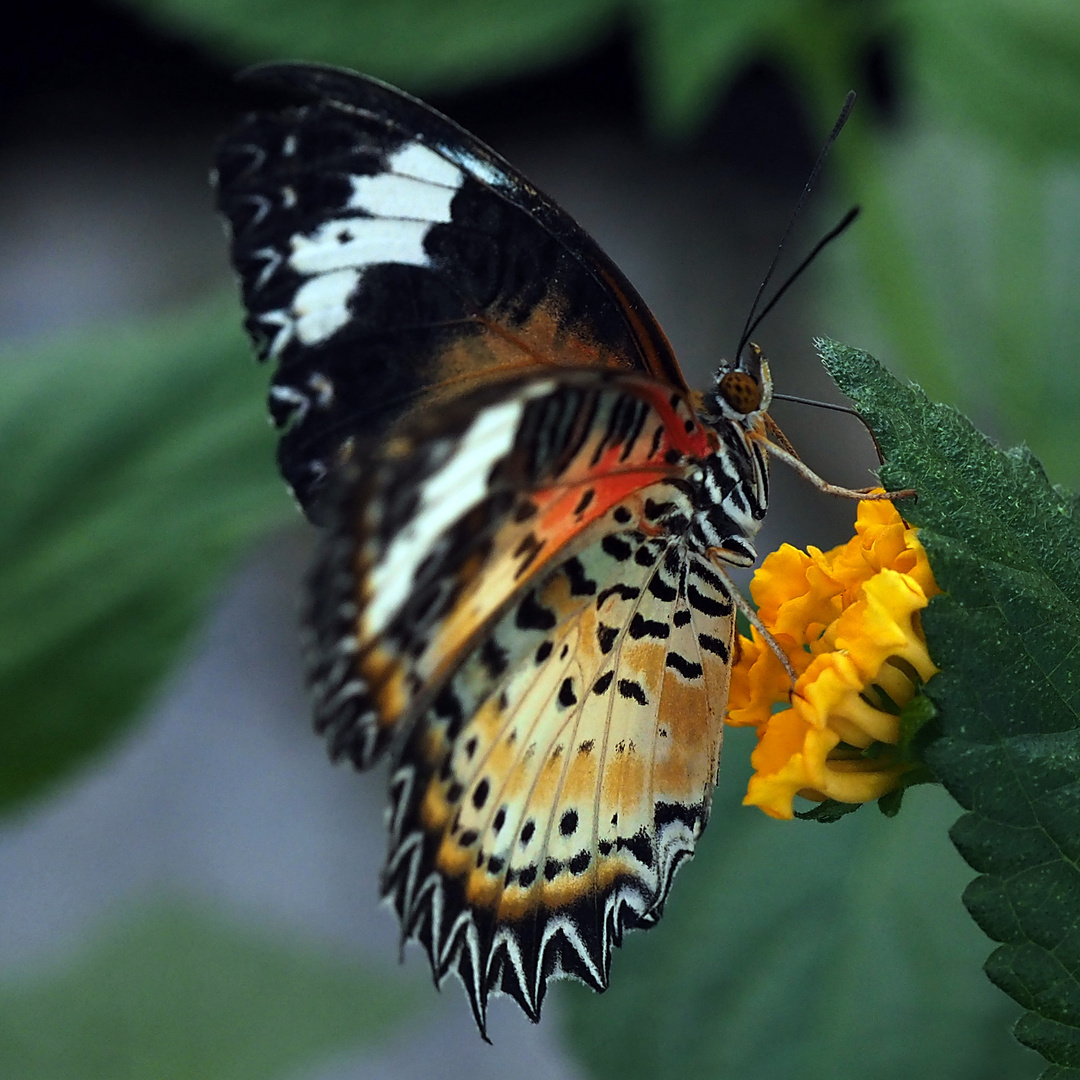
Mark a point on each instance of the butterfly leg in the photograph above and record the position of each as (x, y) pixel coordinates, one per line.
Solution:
(744, 605)
(812, 477)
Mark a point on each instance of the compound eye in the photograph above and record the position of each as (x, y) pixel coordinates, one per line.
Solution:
(741, 391)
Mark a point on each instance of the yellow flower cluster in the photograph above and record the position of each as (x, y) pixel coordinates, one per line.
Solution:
(848, 620)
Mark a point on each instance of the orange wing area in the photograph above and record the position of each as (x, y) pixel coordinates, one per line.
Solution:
(494, 346)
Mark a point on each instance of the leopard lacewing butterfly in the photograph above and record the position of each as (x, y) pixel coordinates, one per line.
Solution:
(520, 599)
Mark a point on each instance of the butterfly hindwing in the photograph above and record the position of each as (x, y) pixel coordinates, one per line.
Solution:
(386, 256)
(543, 805)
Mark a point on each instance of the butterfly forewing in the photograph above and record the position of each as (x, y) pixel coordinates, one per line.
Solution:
(386, 256)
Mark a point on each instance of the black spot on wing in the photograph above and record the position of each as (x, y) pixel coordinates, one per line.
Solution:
(480, 794)
(524, 510)
(447, 706)
(666, 813)
(532, 615)
(715, 646)
(605, 637)
(633, 433)
(704, 573)
(641, 627)
(579, 863)
(580, 583)
(715, 609)
(616, 547)
(567, 697)
(687, 668)
(658, 435)
(638, 845)
(526, 552)
(587, 497)
(646, 555)
(623, 592)
(661, 589)
(494, 657)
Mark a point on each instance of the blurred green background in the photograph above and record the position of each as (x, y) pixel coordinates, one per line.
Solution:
(186, 888)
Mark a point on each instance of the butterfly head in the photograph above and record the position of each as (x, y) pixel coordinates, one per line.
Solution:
(742, 387)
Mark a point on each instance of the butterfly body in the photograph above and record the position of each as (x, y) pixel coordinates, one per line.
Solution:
(520, 599)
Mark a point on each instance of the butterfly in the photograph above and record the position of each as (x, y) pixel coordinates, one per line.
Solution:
(521, 598)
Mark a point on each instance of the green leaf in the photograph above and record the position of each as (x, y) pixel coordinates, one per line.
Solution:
(175, 992)
(140, 467)
(791, 950)
(423, 45)
(1004, 544)
(1008, 67)
(827, 811)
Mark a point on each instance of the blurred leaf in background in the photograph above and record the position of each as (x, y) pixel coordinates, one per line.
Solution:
(963, 258)
(142, 473)
(174, 992)
(422, 45)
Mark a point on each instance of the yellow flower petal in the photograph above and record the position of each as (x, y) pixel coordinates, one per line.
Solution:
(789, 758)
(759, 680)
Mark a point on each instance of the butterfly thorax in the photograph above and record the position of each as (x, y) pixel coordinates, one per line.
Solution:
(732, 484)
(731, 494)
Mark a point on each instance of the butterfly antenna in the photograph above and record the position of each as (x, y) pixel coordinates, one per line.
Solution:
(835, 408)
(748, 328)
(828, 238)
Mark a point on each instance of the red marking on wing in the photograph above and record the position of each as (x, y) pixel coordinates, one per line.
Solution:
(614, 478)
